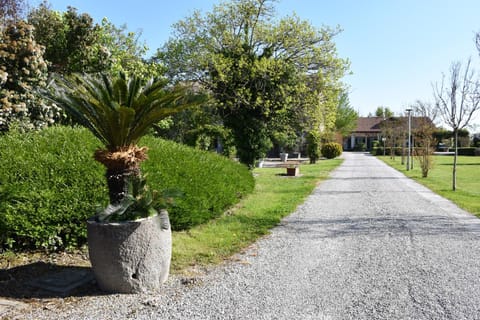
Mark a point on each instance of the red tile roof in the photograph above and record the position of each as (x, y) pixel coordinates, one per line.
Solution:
(374, 124)
(368, 124)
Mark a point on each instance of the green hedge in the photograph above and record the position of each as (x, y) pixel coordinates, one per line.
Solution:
(379, 151)
(331, 150)
(50, 184)
(210, 183)
(398, 151)
(466, 151)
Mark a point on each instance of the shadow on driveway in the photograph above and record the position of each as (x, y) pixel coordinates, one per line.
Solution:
(420, 226)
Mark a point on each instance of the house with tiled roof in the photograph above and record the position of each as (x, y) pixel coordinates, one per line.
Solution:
(370, 129)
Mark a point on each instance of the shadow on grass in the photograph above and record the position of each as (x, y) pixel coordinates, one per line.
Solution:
(460, 164)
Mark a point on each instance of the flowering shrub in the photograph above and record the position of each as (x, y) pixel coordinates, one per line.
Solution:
(22, 70)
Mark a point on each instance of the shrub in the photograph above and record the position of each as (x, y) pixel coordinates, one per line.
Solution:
(210, 182)
(22, 69)
(380, 151)
(331, 150)
(313, 146)
(476, 141)
(360, 147)
(376, 151)
(388, 151)
(50, 185)
(466, 151)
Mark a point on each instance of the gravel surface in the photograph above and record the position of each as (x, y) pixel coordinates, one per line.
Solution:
(369, 243)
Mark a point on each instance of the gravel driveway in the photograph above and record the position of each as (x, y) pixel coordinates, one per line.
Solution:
(367, 244)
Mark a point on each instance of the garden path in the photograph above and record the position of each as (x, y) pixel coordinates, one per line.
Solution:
(368, 243)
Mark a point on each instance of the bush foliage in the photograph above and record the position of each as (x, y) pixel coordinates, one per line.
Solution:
(313, 146)
(466, 151)
(210, 183)
(22, 68)
(50, 185)
(331, 150)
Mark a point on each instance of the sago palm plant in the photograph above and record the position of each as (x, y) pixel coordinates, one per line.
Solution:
(119, 110)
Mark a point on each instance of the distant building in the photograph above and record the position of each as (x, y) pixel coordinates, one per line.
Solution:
(370, 129)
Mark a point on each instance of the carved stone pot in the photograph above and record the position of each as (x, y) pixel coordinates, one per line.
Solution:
(131, 256)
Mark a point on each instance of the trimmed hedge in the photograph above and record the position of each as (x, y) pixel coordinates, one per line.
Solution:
(379, 151)
(50, 185)
(466, 151)
(210, 183)
(331, 150)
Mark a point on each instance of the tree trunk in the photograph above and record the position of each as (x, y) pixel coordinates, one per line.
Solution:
(454, 173)
(121, 163)
(403, 151)
(117, 182)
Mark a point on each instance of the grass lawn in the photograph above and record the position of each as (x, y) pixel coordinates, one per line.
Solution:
(439, 180)
(275, 196)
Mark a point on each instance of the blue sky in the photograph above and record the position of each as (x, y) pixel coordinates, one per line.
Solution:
(397, 48)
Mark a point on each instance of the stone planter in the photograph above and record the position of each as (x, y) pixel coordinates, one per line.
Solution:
(132, 256)
(260, 163)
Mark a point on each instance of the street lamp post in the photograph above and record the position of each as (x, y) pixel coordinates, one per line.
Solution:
(409, 135)
(383, 140)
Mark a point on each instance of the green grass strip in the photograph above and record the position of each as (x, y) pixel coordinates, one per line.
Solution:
(275, 196)
(439, 179)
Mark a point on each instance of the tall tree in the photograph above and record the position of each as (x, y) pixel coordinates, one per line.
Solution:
(457, 100)
(384, 112)
(346, 118)
(11, 11)
(393, 130)
(74, 43)
(124, 51)
(255, 67)
(70, 40)
(426, 114)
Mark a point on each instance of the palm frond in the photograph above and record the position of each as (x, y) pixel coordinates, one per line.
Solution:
(118, 110)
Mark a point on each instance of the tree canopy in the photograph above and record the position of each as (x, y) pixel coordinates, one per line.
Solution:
(383, 112)
(11, 11)
(38, 43)
(260, 71)
(124, 52)
(70, 39)
(346, 118)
